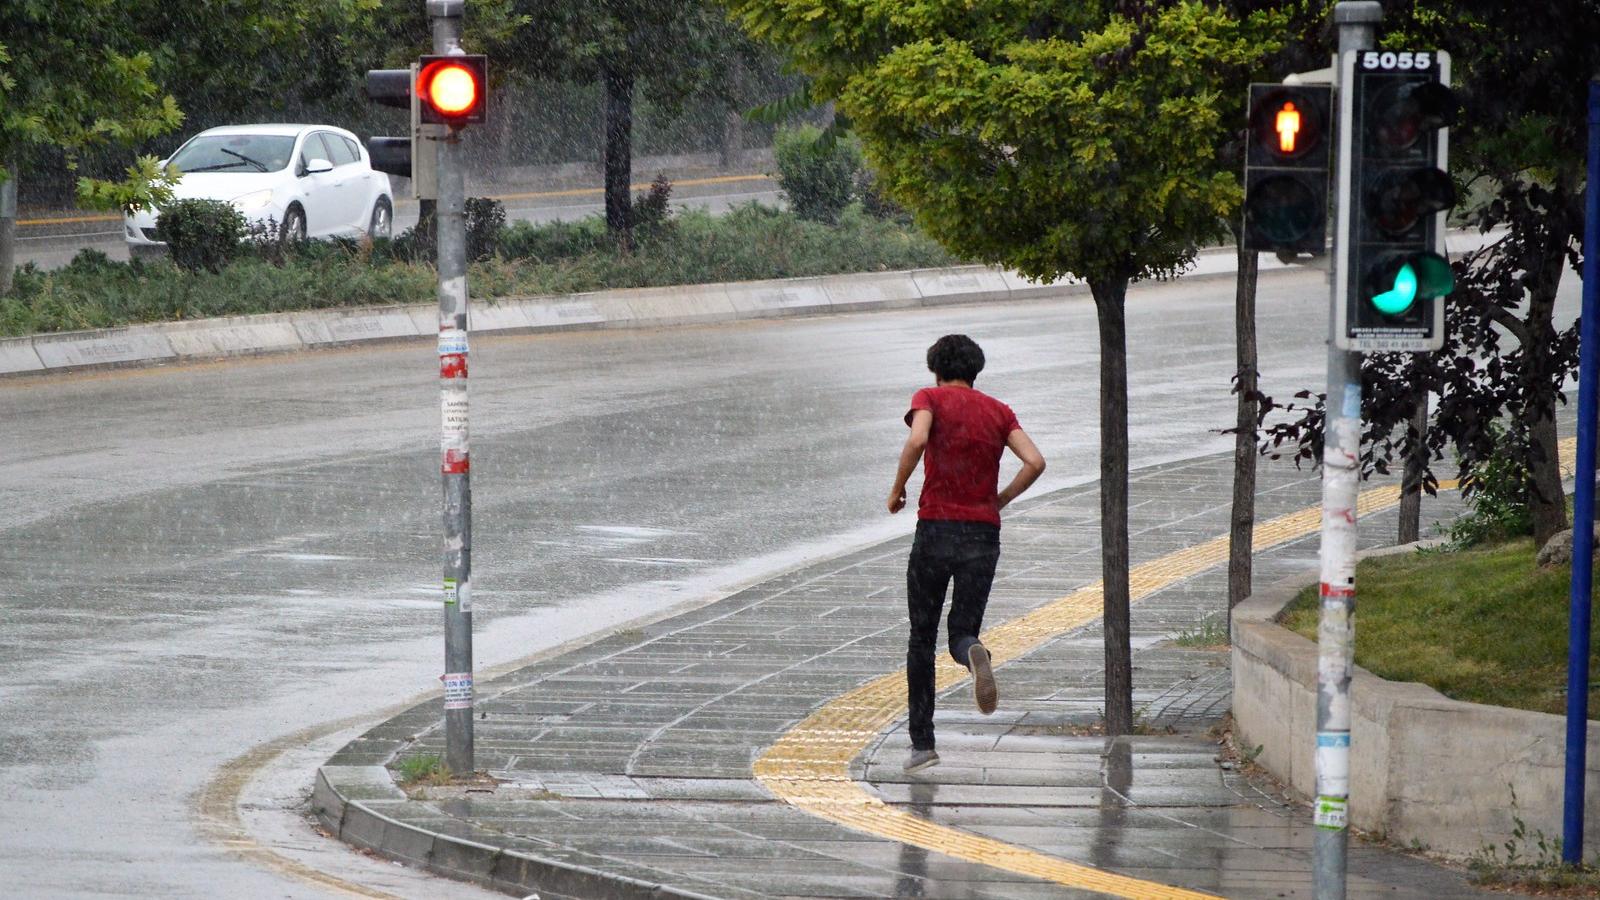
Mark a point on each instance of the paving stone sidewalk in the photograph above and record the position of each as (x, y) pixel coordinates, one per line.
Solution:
(626, 764)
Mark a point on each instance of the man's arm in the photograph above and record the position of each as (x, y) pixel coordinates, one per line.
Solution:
(1032, 466)
(910, 455)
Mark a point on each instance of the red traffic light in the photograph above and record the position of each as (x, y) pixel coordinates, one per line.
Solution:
(1286, 122)
(453, 90)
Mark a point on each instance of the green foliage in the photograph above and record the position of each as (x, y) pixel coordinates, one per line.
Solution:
(1483, 625)
(148, 184)
(818, 177)
(1496, 491)
(428, 768)
(1054, 139)
(1209, 633)
(201, 234)
(485, 219)
(752, 242)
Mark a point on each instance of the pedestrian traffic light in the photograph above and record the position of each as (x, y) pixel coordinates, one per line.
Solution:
(416, 155)
(1395, 195)
(453, 90)
(1286, 168)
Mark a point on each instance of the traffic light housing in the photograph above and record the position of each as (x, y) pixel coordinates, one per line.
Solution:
(1286, 168)
(1395, 275)
(414, 156)
(453, 90)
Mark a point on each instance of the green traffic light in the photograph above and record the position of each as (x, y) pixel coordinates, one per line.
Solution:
(1398, 298)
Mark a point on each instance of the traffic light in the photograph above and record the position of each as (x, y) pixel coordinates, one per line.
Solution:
(453, 90)
(1286, 168)
(416, 155)
(1395, 276)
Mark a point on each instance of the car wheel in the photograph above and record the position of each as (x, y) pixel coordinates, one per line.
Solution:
(294, 226)
(382, 224)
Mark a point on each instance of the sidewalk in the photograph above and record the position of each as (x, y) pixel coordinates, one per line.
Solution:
(752, 747)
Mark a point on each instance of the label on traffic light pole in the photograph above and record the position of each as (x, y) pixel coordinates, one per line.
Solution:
(1394, 194)
(1286, 168)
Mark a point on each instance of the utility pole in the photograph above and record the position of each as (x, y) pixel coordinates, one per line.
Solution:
(450, 227)
(1341, 482)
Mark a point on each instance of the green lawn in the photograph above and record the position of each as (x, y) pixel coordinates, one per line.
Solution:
(1484, 624)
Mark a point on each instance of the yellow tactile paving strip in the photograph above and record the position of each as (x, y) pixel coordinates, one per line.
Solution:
(809, 767)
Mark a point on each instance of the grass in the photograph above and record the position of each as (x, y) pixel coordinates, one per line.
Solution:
(426, 769)
(1483, 624)
(693, 247)
(1210, 633)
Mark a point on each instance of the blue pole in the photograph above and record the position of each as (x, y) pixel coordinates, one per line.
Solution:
(1583, 505)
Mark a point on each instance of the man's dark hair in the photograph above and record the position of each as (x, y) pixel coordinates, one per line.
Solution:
(955, 357)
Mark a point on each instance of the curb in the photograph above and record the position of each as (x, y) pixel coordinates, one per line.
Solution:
(344, 801)
(205, 339)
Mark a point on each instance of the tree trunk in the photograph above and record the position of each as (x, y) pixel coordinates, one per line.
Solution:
(8, 228)
(1411, 482)
(1547, 499)
(426, 245)
(619, 156)
(1109, 297)
(731, 142)
(1242, 524)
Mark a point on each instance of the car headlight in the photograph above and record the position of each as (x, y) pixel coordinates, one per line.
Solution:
(252, 200)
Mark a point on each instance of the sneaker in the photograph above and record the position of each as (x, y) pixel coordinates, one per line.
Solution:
(921, 759)
(984, 693)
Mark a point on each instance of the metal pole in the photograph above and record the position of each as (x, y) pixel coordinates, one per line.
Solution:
(1583, 506)
(1341, 477)
(450, 226)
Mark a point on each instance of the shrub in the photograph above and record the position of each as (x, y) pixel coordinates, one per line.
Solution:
(201, 234)
(1496, 492)
(651, 210)
(817, 173)
(874, 203)
(554, 240)
(486, 219)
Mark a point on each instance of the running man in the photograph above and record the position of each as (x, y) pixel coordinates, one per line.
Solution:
(962, 432)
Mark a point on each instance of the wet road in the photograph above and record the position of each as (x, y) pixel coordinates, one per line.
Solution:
(203, 558)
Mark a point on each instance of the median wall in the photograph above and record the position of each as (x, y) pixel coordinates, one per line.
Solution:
(1423, 768)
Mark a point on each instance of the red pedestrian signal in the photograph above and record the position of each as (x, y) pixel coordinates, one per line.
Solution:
(1286, 168)
(453, 90)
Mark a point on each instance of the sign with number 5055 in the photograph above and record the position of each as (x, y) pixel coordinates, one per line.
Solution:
(1396, 60)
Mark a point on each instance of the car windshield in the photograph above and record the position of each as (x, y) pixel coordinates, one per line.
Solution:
(235, 153)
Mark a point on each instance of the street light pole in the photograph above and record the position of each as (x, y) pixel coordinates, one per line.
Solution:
(450, 226)
(1341, 482)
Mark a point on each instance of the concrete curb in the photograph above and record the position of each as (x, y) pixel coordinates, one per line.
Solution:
(1423, 768)
(348, 801)
(201, 339)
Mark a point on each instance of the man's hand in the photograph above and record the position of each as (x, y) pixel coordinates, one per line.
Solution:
(897, 500)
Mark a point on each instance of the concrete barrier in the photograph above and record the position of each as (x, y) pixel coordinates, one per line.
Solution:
(1423, 768)
(628, 308)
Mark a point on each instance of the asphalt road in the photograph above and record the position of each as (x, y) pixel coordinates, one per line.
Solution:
(204, 558)
(49, 251)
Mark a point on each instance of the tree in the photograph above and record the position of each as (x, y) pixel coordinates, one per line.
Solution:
(69, 82)
(1518, 152)
(1057, 139)
(670, 49)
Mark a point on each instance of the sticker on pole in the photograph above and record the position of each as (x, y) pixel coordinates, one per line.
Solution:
(1333, 763)
(457, 690)
(452, 342)
(1330, 812)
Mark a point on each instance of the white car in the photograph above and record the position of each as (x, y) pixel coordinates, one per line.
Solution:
(312, 180)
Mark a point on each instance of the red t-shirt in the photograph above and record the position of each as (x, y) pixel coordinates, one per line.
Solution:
(961, 466)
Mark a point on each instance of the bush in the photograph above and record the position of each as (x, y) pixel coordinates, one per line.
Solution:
(652, 212)
(817, 175)
(201, 234)
(486, 219)
(873, 201)
(1496, 492)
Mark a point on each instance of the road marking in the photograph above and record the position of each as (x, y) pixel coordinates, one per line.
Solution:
(809, 766)
(530, 195)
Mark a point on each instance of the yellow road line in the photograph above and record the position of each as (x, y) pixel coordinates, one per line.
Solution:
(809, 766)
(531, 195)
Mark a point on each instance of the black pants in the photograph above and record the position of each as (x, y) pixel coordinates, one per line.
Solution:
(942, 551)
